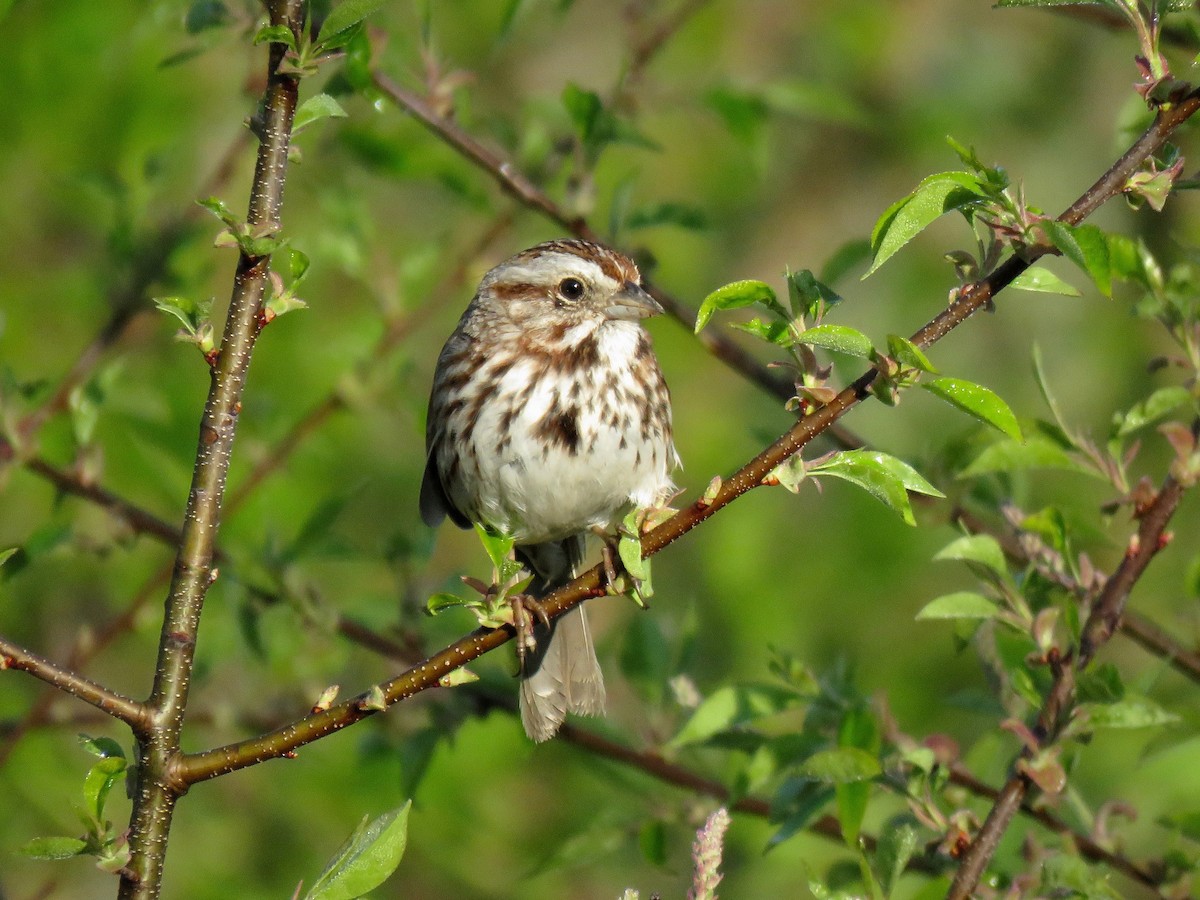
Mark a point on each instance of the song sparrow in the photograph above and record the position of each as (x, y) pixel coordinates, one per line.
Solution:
(549, 418)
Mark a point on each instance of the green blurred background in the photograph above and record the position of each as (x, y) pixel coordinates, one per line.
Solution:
(790, 126)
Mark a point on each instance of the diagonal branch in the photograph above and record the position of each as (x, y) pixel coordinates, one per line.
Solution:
(285, 740)
(1100, 625)
(132, 713)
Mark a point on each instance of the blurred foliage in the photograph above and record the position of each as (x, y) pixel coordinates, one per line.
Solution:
(795, 641)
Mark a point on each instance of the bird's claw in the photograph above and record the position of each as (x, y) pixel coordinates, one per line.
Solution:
(527, 610)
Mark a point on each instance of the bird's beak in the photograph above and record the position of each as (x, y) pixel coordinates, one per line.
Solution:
(632, 303)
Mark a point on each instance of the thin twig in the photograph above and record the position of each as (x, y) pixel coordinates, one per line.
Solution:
(132, 713)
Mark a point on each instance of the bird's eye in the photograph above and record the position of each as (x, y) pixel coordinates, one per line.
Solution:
(570, 289)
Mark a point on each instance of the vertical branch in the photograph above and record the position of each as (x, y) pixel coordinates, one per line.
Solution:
(156, 790)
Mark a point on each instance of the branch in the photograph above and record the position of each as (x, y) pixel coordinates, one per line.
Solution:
(1099, 627)
(132, 713)
(155, 792)
(284, 741)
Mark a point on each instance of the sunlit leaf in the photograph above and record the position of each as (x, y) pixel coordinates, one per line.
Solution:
(841, 338)
(978, 548)
(1038, 278)
(366, 860)
(959, 605)
(734, 296)
(978, 401)
(935, 196)
(731, 706)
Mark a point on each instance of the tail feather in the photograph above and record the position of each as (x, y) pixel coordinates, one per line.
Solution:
(562, 673)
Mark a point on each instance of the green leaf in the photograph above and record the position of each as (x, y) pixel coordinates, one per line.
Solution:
(776, 332)
(218, 208)
(908, 354)
(192, 314)
(806, 294)
(896, 845)
(1135, 711)
(977, 548)
(1087, 247)
(345, 16)
(959, 605)
(99, 781)
(1038, 278)
(366, 860)
(1036, 452)
(978, 401)
(731, 706)
(276, 34)
(734, 296)
(841, 338)
(909, 216)
(841, 765)
(320, 106)
(885, 477)
(669, 213)
(7, 553)
(102, 747)
(442, 601)
(1158, 405)
(54, 848)
(498, 546)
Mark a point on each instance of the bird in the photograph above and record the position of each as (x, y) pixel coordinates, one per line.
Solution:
(549, 419)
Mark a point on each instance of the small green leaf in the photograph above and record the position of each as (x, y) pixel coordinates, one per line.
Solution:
(1038, 278)
(1158, 405)
(443, 601)
(909, 216)
(978, 548)
(366, 860)
(7, 553)
(276, 34)
(669, 213)
(734, 296)
(959, 605)
(885, 477)
(192, 314)
(217, 207)
(1134, 711)
(345, 16)
(54, 848)
(779, 333)
(1036, 452)
(320, 106)
(908, 354)
(498, 546)
(99, 781)
(978, 401)
(896, 845)
(841, 338)
(1087, 247)
(806, 294)
(102, 747)
(731, 706)
(841, 765)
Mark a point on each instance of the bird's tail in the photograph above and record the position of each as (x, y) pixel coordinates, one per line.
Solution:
(561, 673)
